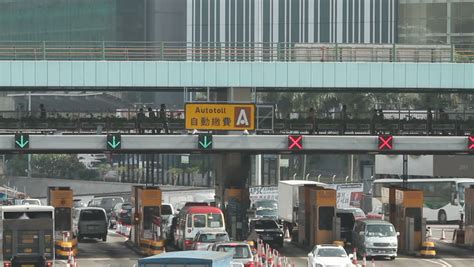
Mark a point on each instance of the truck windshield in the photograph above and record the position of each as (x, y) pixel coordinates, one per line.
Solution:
(380, 230)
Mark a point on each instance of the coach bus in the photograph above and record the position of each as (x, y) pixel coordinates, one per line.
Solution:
(26, 236)
(443, 197)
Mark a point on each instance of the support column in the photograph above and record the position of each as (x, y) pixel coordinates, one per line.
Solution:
(232, 178)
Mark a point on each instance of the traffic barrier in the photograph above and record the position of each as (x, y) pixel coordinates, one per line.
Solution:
(428, 249)
(443, 235)
(429, 233)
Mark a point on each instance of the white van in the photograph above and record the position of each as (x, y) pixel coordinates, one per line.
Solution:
(375, 238)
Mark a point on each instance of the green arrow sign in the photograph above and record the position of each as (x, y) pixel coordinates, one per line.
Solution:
(205, 141)
(22, 141)
(114, 141)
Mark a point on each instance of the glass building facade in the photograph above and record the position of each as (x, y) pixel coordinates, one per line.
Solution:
(291, 21)
(436, 22)
(72, 20)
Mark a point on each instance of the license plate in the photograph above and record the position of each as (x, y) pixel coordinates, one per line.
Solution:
(27, 265)
(91, 227)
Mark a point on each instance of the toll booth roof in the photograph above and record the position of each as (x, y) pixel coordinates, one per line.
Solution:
(188, 257)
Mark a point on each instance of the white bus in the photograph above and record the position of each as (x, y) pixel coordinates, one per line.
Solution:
(443, 197)
(26, 235)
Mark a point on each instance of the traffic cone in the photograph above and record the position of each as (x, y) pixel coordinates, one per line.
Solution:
(373, 262)
(443, 235)
(364, 261)
(429, 232)
(287, 234)
(354, 258)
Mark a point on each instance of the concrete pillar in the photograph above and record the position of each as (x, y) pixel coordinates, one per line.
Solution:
(232, 176)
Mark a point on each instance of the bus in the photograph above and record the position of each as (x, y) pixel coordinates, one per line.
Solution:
(27, 236)
(443, 197)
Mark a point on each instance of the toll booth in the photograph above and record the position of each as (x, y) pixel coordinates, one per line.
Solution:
(304, 208)
(61, 198)
(146, 231)
(322, 205)
(469, 215)
(406, 214)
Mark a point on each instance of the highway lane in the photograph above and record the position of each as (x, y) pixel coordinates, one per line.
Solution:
(449, 256)
(96, 253)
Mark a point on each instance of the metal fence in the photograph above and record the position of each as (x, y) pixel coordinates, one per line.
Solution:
(247, 52)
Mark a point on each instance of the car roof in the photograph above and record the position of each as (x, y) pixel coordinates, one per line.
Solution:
(209, 231)
(231, 243)
(328, 246)
(90, 208)
(376, 221)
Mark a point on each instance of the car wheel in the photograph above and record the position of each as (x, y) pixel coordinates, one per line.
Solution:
(104, 238)
(442, 218)
(392, 258)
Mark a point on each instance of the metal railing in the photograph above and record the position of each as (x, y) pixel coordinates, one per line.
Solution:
(405, 122)
(247, 52)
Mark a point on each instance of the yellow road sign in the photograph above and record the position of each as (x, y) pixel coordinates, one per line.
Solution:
(227, 117)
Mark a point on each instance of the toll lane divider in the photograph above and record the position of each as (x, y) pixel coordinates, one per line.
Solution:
(265, 256)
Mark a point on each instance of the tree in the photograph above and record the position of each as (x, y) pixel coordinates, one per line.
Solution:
(61, 166)
(175, 173)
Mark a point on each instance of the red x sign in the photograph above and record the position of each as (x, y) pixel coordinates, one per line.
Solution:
(295, 142)
(470, 142)
(385, 142)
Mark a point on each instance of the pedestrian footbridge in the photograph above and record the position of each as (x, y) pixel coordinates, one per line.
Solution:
(101, 66)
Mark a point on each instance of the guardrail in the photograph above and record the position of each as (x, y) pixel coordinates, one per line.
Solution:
(260, 52)
(402, 122)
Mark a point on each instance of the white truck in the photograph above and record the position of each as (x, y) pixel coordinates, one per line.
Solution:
(288, 200)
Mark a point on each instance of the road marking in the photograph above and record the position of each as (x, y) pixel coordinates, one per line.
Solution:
(447, 264)
(104, 259)
(439, 262)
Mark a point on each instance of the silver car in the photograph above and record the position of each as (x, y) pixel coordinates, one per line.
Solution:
(204, 239)
(241, 251)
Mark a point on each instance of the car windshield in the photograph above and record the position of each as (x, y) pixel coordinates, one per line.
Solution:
(331, 252)
(267, 212)
(127, 206)
(239, 251)
(359, 213)
(266, 204)
(30, 202)
(92, 215)
(109, 203)
(166, 210)
(382, 230)
(211, 238)
(214, 220)
(266, 224)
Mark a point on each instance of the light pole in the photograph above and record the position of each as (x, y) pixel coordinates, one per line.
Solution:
(29, 114)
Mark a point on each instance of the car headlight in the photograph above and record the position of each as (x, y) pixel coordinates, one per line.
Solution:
(369, 244)
(393, 244)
